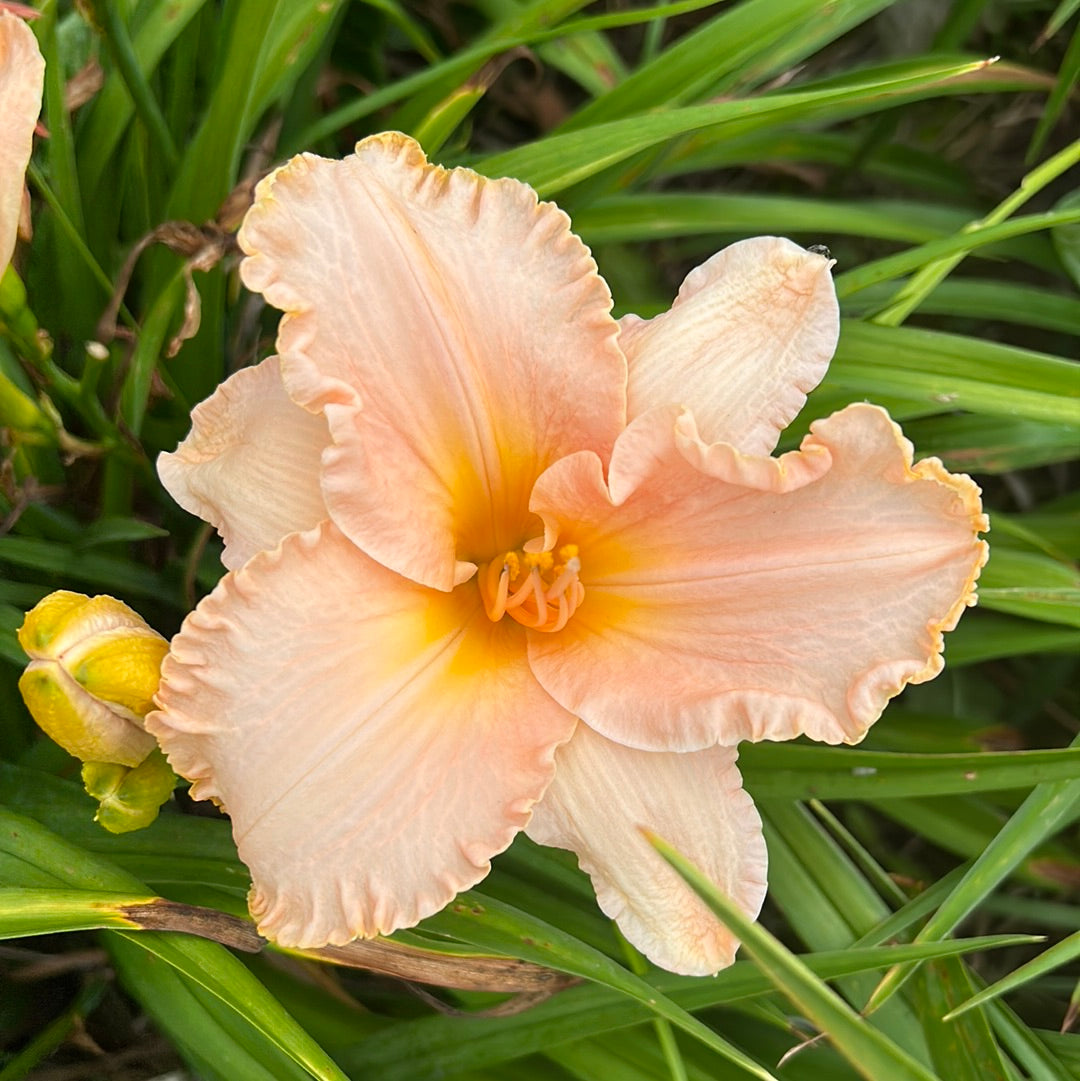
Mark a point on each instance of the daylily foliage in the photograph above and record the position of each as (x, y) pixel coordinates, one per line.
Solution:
(499, 562)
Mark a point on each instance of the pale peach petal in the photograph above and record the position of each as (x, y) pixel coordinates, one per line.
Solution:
(749, 335)
(457, 335)
(777, 598)
(603, 793)
(250, 465)
(376, 742)
(22, 74)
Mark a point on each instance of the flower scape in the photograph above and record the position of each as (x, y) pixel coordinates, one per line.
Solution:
(500, 562)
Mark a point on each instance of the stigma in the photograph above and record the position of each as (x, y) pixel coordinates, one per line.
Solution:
(540, 590)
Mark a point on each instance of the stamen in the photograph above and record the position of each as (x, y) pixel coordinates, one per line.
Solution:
(541, 601)
(524, 591)
(564, 614)
(540, 590)
(569, 574)
(498, 582)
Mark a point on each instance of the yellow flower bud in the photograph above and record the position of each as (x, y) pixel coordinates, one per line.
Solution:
(128, 799)
(94, 668)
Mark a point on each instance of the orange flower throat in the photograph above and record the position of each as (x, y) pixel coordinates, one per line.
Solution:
(540, 590)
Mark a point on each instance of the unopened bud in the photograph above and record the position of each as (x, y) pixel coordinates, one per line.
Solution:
(129, 799)
(94, 668)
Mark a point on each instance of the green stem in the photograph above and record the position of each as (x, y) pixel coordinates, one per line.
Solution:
(123, 54)
(920, 285)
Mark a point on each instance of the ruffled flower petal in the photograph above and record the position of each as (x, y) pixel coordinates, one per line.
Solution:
(774, 598)
(455, 332)
(22, 75)
(749, 335)
(250, 465)
(604, 793)
(375, 742)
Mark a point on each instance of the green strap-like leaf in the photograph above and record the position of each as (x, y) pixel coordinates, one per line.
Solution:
(871, 1053)
(206, 964)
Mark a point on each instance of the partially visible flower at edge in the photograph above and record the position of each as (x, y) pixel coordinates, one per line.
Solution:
(94, 668)
(22, 73)
(499, 562)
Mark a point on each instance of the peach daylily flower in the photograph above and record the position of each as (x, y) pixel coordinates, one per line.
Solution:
(499, 562)
(22, 74)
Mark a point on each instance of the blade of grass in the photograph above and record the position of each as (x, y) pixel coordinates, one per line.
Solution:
(490, 924)
(985, 300)
(122, 51)
(871, 1053)
(632, 17)
(628, 1056)
(207, 964)
(524, 22)
(828, 903)
(557, 161)
(111, 110)
(780, 770)
(910, 295)
(418, 36)
(109, 572)
(475, 919)
(1061, 953)
(897, 923)
(208, 1037)
(964, 1051)
(1068, 74)
(895, 266)
(149, 348)
(292, 42)
(434, 1047)
(653, 216)
(210, 162)
(26, 911)
(1040, 1063)
(1033, 585)
(1045, 809)
(723, 46)
(906, 168)
(986, 636)
(953, 371)
(665, 1036)
(965, 825)
(428, 86)
(74, 281)
(988, 76)
(970, 443)
(73, 237)
(1062, 13)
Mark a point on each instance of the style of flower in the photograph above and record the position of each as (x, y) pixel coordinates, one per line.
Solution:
(498, 562)
(22, 73)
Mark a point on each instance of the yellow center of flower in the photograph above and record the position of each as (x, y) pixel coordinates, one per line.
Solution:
(540, 590)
